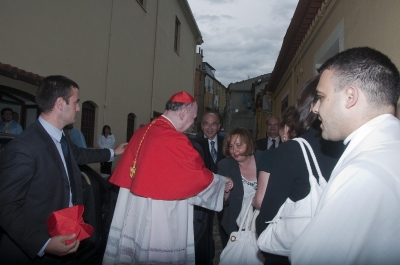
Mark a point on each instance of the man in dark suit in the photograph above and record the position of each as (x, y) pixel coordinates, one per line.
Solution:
(272, 140)
(39, 174)
(211, 145)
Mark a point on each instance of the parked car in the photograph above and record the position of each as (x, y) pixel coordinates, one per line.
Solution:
(99, 198)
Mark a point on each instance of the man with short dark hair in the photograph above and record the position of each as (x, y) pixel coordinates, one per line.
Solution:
(357, 218)
(9, 125)
(39, 175)
(273, 139)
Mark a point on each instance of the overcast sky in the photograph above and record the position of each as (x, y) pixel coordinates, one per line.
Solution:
(242, 38)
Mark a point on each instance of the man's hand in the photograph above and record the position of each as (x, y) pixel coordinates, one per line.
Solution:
(228, 184)
(58, 247)
(120, 149)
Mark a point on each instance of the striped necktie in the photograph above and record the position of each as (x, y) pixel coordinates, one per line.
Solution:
(213, 152)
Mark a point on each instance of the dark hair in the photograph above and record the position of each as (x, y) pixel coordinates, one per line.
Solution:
(174, 106)
(369, 70)
(306, 98)
(290, 118)
(245, 137)
(104, 129)
(4, 110)
(51, 88)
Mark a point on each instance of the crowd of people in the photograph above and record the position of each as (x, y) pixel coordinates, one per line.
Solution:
(172, 187)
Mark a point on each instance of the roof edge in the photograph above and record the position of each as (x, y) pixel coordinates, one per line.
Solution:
(19, 74)
(192, 21)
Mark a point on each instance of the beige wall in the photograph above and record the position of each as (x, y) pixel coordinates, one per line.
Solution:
(366, 23)
(121, 55)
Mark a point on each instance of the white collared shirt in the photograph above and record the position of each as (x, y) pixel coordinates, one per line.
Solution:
(215, 143)
(56, 135)
(277, 140)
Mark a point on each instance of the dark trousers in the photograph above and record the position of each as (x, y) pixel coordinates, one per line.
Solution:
(105, 167)
(203, 235)
(224, 236)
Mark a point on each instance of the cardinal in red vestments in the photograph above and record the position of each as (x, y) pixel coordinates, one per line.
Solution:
(161, 177)
(160, 161)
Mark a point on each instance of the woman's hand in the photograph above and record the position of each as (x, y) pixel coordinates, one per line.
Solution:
(228, 184)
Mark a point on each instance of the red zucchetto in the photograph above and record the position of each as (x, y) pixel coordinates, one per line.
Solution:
(182, 97)
(69, 221)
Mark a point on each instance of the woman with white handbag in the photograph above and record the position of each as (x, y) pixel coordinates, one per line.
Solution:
(240, 165)
(290, 176)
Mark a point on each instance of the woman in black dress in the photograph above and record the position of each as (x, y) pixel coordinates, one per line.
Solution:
(287, 131)
(289, 177)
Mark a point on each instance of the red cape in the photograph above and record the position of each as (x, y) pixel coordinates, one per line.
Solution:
(167, 166)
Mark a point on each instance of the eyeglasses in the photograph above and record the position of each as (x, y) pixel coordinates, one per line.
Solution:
(214, 124)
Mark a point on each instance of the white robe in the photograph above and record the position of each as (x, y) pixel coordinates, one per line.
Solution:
(358, 216)
(147, 231)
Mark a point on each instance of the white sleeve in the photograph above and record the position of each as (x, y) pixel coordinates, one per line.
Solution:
(212, 197)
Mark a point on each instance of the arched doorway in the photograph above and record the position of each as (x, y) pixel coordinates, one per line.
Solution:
(130, 126)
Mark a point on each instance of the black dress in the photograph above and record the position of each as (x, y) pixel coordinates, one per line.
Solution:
(289, 178)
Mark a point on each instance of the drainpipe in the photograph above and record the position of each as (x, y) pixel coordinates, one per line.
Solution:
(108, 60)
(154, 65)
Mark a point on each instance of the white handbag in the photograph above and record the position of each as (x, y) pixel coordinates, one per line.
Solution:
(242, 245)
(293, 217)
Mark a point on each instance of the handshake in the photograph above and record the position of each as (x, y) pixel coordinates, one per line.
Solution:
(228, 184)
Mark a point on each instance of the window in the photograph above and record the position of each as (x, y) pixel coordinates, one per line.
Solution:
(285, 103)
(332, 45)
(177, 34)
(87, 122)
(130, 126)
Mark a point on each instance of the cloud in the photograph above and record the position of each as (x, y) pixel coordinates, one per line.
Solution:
(242, 38)
(221, 1)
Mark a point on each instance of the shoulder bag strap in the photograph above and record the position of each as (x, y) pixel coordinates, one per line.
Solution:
(310, 174)
(321, 179)
(246, 218)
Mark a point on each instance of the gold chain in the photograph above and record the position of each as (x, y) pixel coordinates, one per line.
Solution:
(133, 167)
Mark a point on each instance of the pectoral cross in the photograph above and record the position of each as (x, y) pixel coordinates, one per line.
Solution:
(133, 170)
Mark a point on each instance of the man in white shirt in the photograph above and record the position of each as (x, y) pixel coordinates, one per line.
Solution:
(357, 218)
(272, 140)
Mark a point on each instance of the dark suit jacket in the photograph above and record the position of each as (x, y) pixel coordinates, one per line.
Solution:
(262, 144)
(208, 161)
(203, 218)
(230, 168)
(33, 184)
